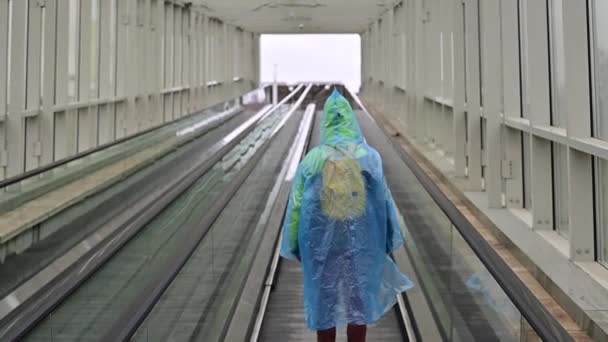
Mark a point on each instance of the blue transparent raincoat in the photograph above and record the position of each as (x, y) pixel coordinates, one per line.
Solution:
(341, 223)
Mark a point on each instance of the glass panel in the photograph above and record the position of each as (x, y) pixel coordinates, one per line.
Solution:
(430, 251)
(481, 57)
(502, 69)
(466, 302)
(466, 38)
(482, 311)
(106, 73)
(168, 41)
(112, 52)
(54, 239)
(114, 286)
(43, 47)
(560, 189)
(199, 302)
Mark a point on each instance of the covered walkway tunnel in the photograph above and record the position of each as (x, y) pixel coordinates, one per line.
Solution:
(146, 165)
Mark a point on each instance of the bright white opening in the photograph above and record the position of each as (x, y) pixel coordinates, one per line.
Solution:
(312, 58)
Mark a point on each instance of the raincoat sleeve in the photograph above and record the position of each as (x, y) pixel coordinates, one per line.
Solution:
(394, 237)
(291, 225)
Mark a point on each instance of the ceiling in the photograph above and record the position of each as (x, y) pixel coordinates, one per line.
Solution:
(297, 16)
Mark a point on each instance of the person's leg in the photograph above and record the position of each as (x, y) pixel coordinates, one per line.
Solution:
(328, 335)
(356, 333)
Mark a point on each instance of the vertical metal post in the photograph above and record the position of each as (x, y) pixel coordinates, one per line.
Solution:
(512, 164)
(122, 70)
(458, 117)
(418, 16)
(275, 87)
(490, 14)
(168, 68)
(109, 21)
(426, 41)
(158, 18)
(200, 60)
(575, 97)
(192, 59)
(132, 50)
(539, 112)
(257, 66)
(145, 64)
(47, 118)
(70, 119)
(207, 57)
(34, 63)
(447, 15)
(87, 120)
(177, 61)
(4, 29)
(16, 85)
(410, 59)
(60, 132)
(389, 82)
(473, 94)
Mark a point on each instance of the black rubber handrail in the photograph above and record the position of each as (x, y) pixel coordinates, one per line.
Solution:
(28, 174)
(547, 327)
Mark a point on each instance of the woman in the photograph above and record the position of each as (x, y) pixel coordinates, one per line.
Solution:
(341, 223)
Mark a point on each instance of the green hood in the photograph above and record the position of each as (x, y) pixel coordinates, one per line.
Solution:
(339, 122)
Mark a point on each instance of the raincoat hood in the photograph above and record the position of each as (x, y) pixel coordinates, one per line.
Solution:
(339, 122)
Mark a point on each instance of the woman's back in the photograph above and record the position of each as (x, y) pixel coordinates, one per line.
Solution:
(342, 224)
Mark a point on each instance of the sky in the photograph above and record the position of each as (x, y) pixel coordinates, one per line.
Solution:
(316, 57)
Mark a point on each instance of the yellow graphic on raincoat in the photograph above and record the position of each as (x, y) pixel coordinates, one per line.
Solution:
(343, 195)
